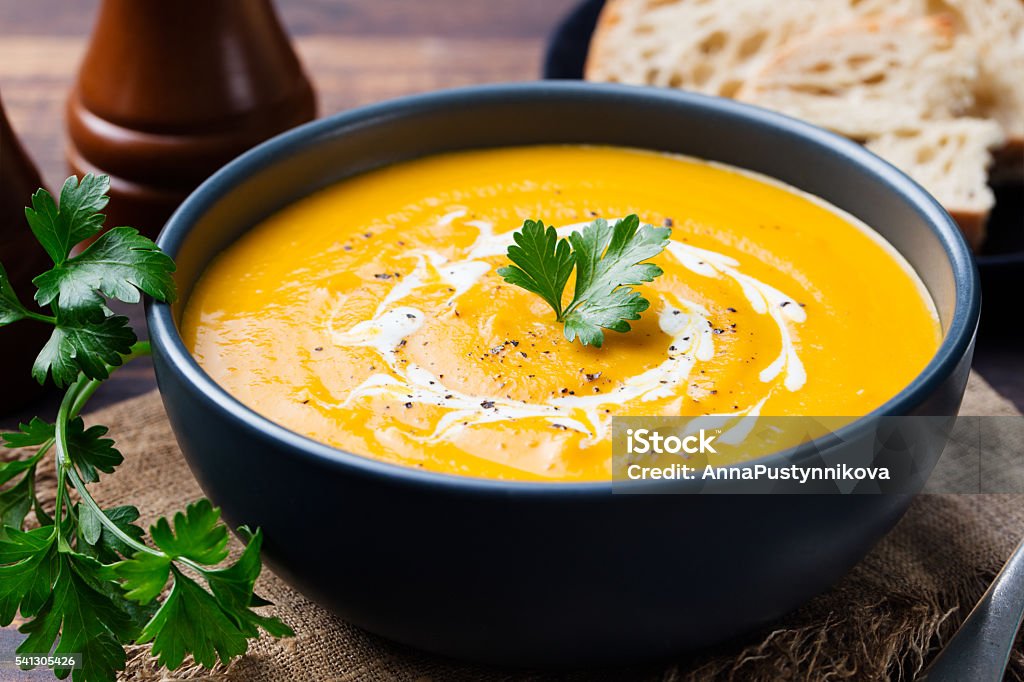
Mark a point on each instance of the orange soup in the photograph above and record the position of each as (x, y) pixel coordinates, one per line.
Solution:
(370, 315)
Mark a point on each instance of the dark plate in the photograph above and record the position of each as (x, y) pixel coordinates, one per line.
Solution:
(1001, 261)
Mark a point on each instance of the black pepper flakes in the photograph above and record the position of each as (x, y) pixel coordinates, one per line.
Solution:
(487, 404)
(383, 275)
(408, 405)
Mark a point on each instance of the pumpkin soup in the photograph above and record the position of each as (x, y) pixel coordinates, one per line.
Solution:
(370, 315)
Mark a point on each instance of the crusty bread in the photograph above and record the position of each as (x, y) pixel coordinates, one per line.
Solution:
(708, 46)
(914, 78)
(949, 158)
(998, 29)
(871, 76)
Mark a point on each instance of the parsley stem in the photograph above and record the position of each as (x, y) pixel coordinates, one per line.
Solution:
(48, 319)
(72, 404)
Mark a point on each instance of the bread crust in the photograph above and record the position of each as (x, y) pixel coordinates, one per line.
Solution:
(972, 225)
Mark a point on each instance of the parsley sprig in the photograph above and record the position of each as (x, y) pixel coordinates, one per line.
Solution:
(609, 261)
(84, 576)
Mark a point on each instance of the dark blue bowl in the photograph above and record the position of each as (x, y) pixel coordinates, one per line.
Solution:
(535, 573)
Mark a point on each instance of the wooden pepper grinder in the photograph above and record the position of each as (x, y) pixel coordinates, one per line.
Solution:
(169, 92)
(23, 258)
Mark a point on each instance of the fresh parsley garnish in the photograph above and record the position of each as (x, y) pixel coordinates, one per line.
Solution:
(609, 260)
(85, 577)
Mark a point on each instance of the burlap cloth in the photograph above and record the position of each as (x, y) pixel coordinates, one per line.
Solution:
(883, 621)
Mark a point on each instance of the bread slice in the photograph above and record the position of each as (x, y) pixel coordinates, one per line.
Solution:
(711, 46)
(871, 76)
(998, 29)
(708, 46)
(950, 159)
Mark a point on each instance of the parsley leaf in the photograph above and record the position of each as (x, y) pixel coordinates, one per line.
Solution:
(117, 265)
(90, 344)
(16, 501)
(87, 621)
(191, 621)
(90, 451)
(198, 534)
(609, 259)
(143, 576)
(11, 309)
(36, 432)
(233, 587)
(543, 263)
(27, 568)
(9, 470)
(109, 548)
(77, 219)
(208, 625)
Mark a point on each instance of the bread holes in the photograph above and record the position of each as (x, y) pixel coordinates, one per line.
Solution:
(713, 43)
(925, 154)
(729, 88)
(701, 73)
(751, 45)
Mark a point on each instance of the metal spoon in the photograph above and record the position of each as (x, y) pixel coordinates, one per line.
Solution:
(980, 649)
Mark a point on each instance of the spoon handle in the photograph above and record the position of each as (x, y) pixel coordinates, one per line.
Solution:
(980, 649)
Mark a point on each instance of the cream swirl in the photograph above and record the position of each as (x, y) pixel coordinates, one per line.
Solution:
(686, 324)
